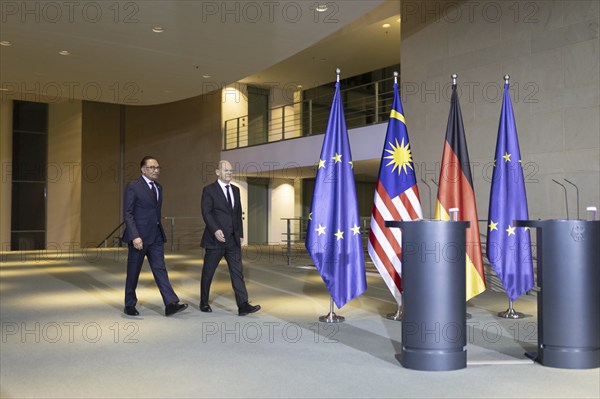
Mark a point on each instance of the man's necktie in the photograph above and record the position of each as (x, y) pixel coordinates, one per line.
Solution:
(229, 196)
(154, 191)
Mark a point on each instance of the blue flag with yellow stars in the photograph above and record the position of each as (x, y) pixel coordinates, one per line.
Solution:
(333, 237)
(509, 247)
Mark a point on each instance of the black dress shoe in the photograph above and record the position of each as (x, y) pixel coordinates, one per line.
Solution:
(173, 308)
(205, 308)
(131, 311)
(247, 308)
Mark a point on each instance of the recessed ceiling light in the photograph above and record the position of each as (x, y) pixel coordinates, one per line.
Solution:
(321, 8)
(64, 52)
(299, 86)
(206, 76)
(5, 43)
(158, 29)
(385, 26)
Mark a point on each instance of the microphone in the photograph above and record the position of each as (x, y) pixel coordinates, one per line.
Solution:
(577, 191)
(429, 189)
(566, 198)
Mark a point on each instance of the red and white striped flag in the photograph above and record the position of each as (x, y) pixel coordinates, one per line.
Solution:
(396, 198)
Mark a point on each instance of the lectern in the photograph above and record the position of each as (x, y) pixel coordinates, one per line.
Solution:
(434, 304)
(568, 274)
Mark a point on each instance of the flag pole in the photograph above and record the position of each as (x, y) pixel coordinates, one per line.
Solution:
(511, 313)
(331, 317)
(454, 211)
(397, 316)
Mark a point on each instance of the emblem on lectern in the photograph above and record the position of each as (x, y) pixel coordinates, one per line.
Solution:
(577, 233)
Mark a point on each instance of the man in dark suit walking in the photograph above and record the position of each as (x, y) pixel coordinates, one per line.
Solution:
(222, 213)
(146, 237)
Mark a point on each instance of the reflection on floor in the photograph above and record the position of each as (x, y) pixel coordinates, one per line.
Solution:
(64, 336)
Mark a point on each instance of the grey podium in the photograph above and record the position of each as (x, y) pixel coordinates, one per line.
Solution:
(568, 274)
(433, 301)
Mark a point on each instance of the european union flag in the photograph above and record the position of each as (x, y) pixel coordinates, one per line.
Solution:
(333, 237)
(509, 247)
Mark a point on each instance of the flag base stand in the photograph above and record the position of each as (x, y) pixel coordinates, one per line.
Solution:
(395, 316)
(331, 316)
(468, 316)
(511, 313)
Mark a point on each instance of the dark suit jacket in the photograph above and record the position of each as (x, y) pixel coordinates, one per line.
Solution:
(142, 213)
(218, 214)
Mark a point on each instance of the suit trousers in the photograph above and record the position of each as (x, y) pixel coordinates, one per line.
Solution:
(156, 257)
(232, 252)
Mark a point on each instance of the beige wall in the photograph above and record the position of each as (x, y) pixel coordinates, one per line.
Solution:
(550, 50)
(185, 137)
(235, 105)
(84, 164)
(6, 135)
(281, 198)
(64, 176)
(100, 186)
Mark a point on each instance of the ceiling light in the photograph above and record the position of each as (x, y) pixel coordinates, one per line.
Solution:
(5, 43)
(321, 8)
(158, 29)
(64, 52)
(206, 76)
(385, 26)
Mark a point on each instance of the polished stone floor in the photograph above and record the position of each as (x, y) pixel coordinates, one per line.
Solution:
(64, 336)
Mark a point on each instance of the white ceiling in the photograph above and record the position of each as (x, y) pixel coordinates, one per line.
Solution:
(115, 56)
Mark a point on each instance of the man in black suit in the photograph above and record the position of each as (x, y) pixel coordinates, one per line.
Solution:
(222, 213)
(146, 237)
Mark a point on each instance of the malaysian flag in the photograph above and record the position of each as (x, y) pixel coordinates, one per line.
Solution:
(396, 198)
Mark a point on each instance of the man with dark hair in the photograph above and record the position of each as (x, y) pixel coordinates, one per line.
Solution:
(222, 213)
(146, 237)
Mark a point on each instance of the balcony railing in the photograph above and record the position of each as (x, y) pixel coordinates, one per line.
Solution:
(295, 235)
(363, 105)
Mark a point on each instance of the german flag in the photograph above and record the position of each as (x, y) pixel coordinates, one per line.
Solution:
(456, 191)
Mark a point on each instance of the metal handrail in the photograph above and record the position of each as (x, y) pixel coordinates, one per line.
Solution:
(309, 117)
(172, 224)
(291, 231)
(104, 242)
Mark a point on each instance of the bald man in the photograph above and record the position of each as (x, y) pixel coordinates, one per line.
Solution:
(222, 213)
